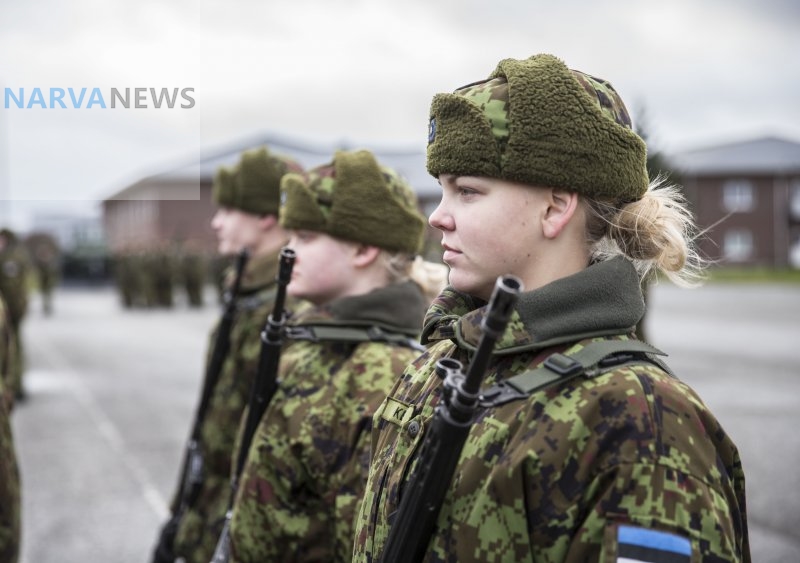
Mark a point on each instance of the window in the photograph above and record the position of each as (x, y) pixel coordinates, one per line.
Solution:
(794, 199)
(738, 245)
(794, 254)
(738, 196)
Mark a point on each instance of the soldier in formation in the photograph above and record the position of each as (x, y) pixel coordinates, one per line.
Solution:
(9, 474)
(356, 230)
(248, 199)
(46, 257)
(193, 268)
(15, 279)
(601, 454)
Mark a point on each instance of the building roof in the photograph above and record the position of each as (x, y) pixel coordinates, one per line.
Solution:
(765, 155)
(408, 161)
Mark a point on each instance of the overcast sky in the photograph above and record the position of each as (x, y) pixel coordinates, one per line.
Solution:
(703, 71)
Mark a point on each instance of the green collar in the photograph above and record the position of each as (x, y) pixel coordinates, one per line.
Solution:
(398, 307)
(604, 299)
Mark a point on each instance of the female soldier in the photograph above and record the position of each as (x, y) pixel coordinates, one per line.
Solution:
(543, 178)
(356, 229)
(248, 198)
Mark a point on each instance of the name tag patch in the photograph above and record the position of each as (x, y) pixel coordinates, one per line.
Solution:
(397, 412)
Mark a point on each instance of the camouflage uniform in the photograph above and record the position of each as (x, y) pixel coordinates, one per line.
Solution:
(557, 476)
(9, 475)
(8, 348)
(193, 269)
(202, 523)
(308, 461)
(15, 270)
(46, 258)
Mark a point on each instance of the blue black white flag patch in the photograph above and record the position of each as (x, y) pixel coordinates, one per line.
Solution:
(640, 545)
(432, 130)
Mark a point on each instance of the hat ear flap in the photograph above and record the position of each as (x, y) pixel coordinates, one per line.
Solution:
(300, 209)
(224, 187)
(357, 207)
(461, 139)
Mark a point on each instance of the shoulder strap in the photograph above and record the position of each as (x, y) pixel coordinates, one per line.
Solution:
(256, 300)
(320, 333)
(589, 360)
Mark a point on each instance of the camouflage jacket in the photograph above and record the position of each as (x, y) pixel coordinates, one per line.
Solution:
(9, 476)
(202, 524)
(8, 348)
(577, 468)
(307, 464)
(15, 270)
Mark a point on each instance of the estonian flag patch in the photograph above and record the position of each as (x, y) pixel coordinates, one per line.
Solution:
(640, 545)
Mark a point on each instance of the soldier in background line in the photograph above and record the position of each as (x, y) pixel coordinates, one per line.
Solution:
(248, 197)
(15, 279)
(608, 457)
(356, 230)
(46, 257)
(193, 271)
(9, 472)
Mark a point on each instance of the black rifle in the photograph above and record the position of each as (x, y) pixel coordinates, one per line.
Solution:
(191, 475)
(424, 493)
(264, 386)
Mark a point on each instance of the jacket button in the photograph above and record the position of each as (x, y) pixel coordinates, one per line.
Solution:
(413, 428)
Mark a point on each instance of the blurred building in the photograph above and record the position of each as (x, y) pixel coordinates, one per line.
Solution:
(175, 205)
(747, 194)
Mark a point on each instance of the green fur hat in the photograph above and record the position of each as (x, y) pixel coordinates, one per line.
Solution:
(253, 185)
(354, 198)
(539, 123)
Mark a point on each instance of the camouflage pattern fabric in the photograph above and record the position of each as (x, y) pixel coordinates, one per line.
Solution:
(202, 523)
(15, 271)
(307, 465)
(553, 477)
(9, 474)
(8, 347)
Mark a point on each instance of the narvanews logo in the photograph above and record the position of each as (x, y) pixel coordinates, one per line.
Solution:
(93, 98)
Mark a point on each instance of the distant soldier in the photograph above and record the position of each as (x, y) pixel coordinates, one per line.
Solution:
(248, 197)
(46, 256)
(193, 270)
(164, 270)
(15, 271)
(9, 473)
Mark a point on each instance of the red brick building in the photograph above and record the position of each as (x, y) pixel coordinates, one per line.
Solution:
(176, 206)
(747, 194)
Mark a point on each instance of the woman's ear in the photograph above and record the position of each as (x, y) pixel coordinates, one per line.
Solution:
(365, 255)
(561, 207)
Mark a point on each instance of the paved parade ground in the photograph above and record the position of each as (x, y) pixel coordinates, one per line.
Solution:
(111, 393)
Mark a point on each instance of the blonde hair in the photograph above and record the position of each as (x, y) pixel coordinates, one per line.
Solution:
(656, 233)
(431, 277)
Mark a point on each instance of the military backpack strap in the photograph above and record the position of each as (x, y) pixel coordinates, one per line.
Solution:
(590, 360)
(321, 333)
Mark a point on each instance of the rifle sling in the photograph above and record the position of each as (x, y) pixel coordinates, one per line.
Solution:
(590, 360)
(321, 333)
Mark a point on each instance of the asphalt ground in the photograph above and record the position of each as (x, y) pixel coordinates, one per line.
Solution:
(111, 393)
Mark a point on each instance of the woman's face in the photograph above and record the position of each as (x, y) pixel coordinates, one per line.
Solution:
(489, 228)
(323, 268)
(235, 230)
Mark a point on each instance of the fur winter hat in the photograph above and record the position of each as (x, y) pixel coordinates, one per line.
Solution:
(537, 122)
(354, 198)
(253, 185)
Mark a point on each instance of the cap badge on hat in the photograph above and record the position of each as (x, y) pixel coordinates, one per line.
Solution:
(432, 130)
